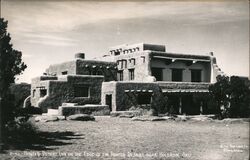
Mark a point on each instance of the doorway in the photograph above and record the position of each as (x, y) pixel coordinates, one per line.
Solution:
(108, 100)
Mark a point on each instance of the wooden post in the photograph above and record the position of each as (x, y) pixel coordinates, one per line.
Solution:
(201, 107)
(151, 99)
(180, 105)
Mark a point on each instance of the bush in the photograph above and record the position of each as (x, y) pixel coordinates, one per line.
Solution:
(27, 111)
(20, 131)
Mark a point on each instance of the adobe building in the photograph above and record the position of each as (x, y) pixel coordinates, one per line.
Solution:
(131, 76)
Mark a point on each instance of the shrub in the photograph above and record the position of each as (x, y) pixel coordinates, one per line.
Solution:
(20, 131)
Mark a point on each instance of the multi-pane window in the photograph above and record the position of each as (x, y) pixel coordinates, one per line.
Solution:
(81, 91)
(195, 75)
(177, 75)
(131, 74)
(120, 75)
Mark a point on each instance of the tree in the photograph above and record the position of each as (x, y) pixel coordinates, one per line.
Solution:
(239, 97)
(10, 65)
(233, 95)
(219, 91)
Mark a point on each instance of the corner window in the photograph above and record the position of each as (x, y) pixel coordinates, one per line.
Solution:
(195, 75)
(131, 74)
(177, 75)
(81, 91)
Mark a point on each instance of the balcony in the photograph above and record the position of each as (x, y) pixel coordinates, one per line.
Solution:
(183, 86)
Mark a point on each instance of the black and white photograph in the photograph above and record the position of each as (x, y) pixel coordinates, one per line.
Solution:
(124, 79)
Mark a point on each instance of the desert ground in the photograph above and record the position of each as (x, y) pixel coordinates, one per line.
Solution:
(121, 138)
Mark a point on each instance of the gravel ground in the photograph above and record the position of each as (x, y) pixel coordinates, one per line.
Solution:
(121, 138)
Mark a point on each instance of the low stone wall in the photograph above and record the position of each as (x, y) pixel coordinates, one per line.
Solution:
(125, 114)
(96, 110)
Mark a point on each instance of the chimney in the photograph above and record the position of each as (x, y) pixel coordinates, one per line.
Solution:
(80, 55)
(211, 53)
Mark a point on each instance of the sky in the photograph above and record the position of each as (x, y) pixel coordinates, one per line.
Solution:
(51, 32)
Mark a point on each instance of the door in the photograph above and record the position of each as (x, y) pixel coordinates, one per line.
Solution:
(109, 101)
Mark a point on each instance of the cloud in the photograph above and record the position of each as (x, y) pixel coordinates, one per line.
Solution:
(48, 39)
(54, 16)
(52, 43)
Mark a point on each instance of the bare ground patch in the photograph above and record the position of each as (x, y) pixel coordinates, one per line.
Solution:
(121, 138)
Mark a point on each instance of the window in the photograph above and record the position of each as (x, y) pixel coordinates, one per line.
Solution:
(132, 61)
(131, 74)
(117, 53)
(64, 72)
(122, 64)
(43, 92)
(177, 75)
(33, 92)
(81, 91)
(120, 75)
(144, 98)
(195, 75)
(143, 59)
(157, 73)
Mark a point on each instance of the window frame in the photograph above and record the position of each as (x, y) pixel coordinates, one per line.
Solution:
(196, 71)
(131, 73)
(175, 79)
(120, 76)
(161, 73)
